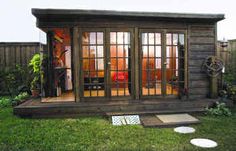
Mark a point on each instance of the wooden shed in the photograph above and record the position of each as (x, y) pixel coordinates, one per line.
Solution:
(101, 61)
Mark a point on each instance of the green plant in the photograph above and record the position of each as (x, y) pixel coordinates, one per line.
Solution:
(230, 91)
(19, 98)
(35, 66)
(5, 102)
(219, 109)
(14, 80)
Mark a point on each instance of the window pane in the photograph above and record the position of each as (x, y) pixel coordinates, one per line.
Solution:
(158, 38)
(100, 64)
(127, 38)
(120, 51)
(168, 51)
(175, 51)
(151, 51)
(181, 39)
(168, 39)
(99, 38)
(92, 51)
(126, 49)
(113, 64)
(92, 38)
(144, 38)
(85, 52)
(120, 38)
(158, 51)
(100, 51)
(175, 39)
(113, 37)
(145, 50)
(151, 38)
(85, 65)
(158, 63)
(85, 37)
(113, 51)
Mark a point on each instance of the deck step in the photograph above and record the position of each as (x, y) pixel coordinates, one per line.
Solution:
(38, 109)
(191, 110)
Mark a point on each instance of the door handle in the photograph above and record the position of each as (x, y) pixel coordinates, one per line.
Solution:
(109, 63)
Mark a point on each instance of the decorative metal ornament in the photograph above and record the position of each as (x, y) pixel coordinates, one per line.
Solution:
(213, 66)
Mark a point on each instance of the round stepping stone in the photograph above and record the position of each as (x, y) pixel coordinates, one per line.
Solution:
(184, 130)
(204, 143)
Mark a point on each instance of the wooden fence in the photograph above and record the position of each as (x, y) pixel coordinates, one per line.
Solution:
(12, 53)
(226, 50)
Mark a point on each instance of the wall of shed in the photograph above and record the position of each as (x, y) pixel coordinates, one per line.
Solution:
(202, 43)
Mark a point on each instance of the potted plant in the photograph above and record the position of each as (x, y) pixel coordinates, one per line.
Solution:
(35, 83)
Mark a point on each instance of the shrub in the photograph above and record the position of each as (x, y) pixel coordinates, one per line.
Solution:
(9, 101)
(219, 109)
(14, 80)
(5, 102)
(19, 98)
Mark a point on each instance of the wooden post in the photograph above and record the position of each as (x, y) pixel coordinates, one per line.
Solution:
(213, 87)
(50, 71)
(76, 64)
(137, 83)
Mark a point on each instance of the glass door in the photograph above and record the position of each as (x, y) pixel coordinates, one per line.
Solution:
(163, 63)
(174, 63)
(93, 64)
(151, 64)
(106, 64)
(120, 64)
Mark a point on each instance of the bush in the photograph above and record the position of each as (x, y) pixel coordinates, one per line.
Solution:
(5, 102)
(9, 101)
(230, 91)
(219, 109)
(14, 80)
(19, 98)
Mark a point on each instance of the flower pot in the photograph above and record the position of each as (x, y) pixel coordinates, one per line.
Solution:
(35, 92)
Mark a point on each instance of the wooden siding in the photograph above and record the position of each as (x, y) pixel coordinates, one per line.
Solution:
(17, 53)
(201, 44)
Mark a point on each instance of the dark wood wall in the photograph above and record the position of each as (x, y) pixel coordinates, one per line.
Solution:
(202, 43)
(12, 53)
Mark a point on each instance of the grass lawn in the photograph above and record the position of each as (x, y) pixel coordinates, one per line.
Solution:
(96, 133)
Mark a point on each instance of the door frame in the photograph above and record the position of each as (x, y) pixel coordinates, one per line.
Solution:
(106, 53)
(163, 33)
(131, 30)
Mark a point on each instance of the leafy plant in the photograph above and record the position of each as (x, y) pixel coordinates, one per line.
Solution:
(35, 66)
(219, 109)
(20, 98)
(230, 91)
(5, 102)
(14, 80)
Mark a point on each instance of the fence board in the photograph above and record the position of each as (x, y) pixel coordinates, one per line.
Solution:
(12, 53)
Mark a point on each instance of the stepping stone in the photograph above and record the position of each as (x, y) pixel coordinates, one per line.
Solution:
(126, 119)
(184, 130)
(177, 118)
(204, 143)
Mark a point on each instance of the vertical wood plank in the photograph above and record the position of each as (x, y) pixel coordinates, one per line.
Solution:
(76, 60)
(17, 50)
(2, 57)
(137, 62)
(7, 56)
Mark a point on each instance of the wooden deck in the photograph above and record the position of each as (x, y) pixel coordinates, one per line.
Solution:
(37, 109)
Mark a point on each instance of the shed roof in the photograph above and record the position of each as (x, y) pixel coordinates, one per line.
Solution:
(41, 13)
